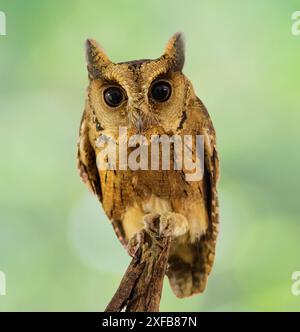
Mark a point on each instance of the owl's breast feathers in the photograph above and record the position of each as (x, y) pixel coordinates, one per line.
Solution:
(124, 190)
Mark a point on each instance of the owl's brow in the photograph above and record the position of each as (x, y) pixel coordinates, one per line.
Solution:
(162, 76)
(158, 69)
(110, 81)
(116, 75)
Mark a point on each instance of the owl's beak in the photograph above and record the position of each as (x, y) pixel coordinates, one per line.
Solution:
(139, 114)
(137, 119)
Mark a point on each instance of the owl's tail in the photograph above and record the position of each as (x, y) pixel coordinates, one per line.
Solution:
(189, 267)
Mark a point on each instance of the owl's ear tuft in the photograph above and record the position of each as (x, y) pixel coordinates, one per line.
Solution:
(175, 51)
(96, 58)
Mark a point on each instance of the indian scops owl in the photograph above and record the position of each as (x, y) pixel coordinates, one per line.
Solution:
(153, 97)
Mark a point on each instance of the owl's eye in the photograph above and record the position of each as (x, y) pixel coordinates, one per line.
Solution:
(113, 96)
(161, 91)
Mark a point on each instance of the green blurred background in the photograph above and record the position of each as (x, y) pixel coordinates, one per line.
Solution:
(57, 248)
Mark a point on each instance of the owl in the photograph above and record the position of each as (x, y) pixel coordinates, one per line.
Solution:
(153, 97)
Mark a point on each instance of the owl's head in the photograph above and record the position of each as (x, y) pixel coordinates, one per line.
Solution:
(139, 94)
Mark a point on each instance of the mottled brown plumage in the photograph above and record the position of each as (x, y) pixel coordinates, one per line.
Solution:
(189, 210)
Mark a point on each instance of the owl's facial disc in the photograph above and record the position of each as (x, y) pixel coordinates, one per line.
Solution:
(137, 94)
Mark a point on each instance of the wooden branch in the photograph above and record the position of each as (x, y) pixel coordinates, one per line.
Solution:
(141, 286)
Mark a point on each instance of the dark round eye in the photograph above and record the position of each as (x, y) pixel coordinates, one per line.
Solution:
(161, 91)
(113, 96)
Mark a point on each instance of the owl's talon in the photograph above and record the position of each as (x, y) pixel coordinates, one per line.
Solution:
(149, 221)
(172, 224)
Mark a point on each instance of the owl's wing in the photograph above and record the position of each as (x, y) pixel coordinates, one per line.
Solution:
(205, 247)
(207, 243)
(86, 159)
(87, 166)
(203, 250)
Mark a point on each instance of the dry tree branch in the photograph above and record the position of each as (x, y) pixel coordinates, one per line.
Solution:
(141, 286)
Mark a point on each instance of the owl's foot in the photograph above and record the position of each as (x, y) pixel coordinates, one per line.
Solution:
(170, 223)
(150, 219)
(173, 224)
